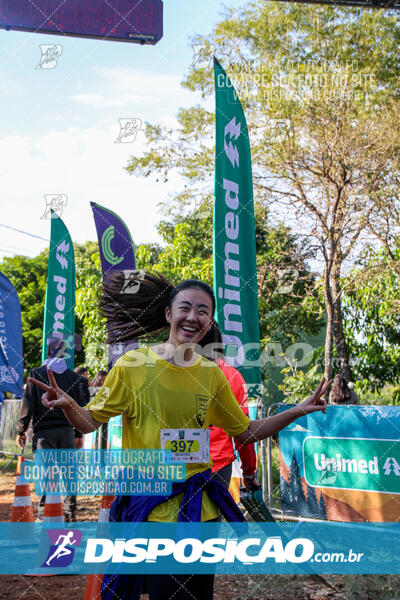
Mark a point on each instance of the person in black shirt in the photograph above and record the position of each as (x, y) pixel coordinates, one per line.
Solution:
(51, 429)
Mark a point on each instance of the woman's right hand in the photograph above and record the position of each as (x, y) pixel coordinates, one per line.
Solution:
(54, 396)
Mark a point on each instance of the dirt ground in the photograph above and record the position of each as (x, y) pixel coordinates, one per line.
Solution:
(239, 587)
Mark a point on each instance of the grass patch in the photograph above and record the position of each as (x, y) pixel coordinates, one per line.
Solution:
(4, 464)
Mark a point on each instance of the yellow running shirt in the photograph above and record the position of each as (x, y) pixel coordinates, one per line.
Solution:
(153, 394)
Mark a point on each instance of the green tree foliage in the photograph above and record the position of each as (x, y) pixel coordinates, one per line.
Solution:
(298, 383)
(289, 302)
(373, 308)
(146, 255)
(188, 253)
(88, 289)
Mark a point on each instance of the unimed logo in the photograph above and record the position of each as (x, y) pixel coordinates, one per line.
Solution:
(191, 550)
(364, 464)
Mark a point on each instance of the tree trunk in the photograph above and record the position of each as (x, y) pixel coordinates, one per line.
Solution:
(338, 333)
(329, 324)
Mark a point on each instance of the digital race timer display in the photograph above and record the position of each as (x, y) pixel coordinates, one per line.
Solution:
(122, 20)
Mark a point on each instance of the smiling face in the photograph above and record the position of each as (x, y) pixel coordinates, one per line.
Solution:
(190, 316)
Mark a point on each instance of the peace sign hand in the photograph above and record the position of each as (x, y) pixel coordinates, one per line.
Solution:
(317, 401)
(54, 397)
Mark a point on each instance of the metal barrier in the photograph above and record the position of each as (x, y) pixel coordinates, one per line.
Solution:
(263, 461)
(268, 494)
(10, 411)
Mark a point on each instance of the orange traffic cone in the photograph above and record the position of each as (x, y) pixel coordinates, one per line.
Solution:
(53, 509)
(93, 582)
(53, 506)
(20, 460)
(93, 587)
(22, 510)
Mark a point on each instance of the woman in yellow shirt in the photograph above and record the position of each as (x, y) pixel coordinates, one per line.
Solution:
(162, 390)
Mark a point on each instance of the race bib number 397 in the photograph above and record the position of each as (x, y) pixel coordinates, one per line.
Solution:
(187, 445)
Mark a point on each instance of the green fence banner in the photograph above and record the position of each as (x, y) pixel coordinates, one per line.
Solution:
(59, 310)
(352, 464)
(234, 241)
(343, 465)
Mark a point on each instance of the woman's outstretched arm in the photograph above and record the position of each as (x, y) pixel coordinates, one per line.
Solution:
(263, 428)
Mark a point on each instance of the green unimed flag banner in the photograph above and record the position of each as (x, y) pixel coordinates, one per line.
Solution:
(59, 310)
(234, 245)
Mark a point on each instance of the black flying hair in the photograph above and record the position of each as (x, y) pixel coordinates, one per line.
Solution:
(134, 302)
(212, 343)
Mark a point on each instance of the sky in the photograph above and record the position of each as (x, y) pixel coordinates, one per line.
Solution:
(59, 126)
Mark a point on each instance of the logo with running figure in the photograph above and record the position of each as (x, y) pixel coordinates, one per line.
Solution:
(201, 409)
(62, 547)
